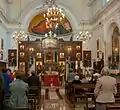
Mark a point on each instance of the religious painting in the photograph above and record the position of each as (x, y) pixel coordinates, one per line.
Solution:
(22, 66)
(22, 54)
(49, 56)
(87, 58)
(38, 55)
(98, 44)
(1, 55)
(22, 47)
(38, 25)
(61, 55)
(1, 48)
(49, 43)
(78, 56)
(12, 57)
(2, 45)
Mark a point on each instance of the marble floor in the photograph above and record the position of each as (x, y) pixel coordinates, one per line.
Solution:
(55, 103)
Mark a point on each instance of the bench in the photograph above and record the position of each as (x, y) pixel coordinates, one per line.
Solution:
(22, 108)
(113, 106)
(84, 94)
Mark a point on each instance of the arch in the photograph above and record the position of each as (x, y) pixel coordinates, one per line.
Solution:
(30, 11)
(38, 26)
(114, 36)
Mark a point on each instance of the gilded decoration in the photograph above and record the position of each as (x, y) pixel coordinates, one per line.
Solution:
(38, 26)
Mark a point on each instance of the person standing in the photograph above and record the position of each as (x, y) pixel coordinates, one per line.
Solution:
(10, 74)
(7, 80)
(71, 76)
(105, 90)
(34, 84)
(38, 68)
(18, 92)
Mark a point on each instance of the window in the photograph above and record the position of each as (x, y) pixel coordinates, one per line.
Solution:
(105, 1)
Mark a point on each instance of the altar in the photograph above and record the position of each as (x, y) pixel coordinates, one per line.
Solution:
(51, 80)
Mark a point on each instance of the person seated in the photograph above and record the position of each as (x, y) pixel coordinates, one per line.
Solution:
(76, 80)
(95, 77)
(84, 80)
(70, 76)
(18, 92)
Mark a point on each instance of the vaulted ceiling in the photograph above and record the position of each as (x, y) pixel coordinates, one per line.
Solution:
(77, 11)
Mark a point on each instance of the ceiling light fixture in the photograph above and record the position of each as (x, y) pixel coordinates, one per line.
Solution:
(84, 35)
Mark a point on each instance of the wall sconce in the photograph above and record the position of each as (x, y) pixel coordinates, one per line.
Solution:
(31, 49)
(38, 55)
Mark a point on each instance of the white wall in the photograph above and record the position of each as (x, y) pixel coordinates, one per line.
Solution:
(3, 35)
(102, 31)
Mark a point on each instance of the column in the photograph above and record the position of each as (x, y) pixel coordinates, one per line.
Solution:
(7, 45)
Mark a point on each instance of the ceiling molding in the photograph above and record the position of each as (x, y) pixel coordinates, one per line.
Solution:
(93, 20)
(104, 10)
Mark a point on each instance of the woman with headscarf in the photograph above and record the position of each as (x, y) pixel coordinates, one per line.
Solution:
(105, 90)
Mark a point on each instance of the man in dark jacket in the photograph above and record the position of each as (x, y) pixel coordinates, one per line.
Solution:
(34, 82)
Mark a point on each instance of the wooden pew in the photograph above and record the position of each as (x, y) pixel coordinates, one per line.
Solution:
(22, 108)
(87, 89)
(68, 91)
(34, 97)
(113, 106)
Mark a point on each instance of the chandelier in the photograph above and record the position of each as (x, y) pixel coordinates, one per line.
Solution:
(19, 36)
(84, 35)
(54, 15)
(48, 2)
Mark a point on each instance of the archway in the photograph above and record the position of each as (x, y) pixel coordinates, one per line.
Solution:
(38, 26)
(31, 11)
(114, 58)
